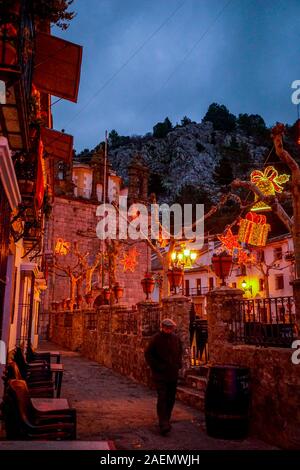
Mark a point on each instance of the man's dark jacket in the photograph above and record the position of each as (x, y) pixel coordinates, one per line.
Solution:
(164, 356)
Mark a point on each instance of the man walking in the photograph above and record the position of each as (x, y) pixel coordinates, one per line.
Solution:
(164, 356)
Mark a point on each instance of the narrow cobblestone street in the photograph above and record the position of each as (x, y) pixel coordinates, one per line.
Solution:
(112, 407)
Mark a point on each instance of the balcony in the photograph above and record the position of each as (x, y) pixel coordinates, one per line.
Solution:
(196, 291)
(16, 66)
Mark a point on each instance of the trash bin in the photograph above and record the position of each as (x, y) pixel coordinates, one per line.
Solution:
(227, 402)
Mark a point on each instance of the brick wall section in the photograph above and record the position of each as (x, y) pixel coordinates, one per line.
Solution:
(275, 381)
(117, 344)
(75, 219)
(123, 352)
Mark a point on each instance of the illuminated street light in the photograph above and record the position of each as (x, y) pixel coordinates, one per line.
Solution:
(183, 258)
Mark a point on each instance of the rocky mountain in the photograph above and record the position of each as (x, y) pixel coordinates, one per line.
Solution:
(188, 156)
(196, 162)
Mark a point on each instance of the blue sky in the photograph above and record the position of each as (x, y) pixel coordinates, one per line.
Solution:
(241, 53)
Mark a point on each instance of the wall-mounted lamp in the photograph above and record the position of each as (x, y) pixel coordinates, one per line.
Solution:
(245, 287)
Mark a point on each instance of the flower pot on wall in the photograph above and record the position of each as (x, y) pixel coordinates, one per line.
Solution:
(118, 292)
(222, 265)
(175, 277)
(148, 283)
(106, 294)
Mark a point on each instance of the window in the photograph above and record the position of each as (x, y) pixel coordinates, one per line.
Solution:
(277, 253)
(279, 282)
(198, 285)
(233, 285)
(61, 171)
(261, 284)
(243, 270)
(210, 283)
(187, 287)
(260, 256)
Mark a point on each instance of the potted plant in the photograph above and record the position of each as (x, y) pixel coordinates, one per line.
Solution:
(106, 293)
(148, 283)
(118, 291)
(55, 11)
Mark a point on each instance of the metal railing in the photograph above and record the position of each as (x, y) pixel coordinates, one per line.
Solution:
(127, 322)
(90, 320)
(195, 291)
(68, 320)
(151, 321)
(199, 342)
(263, 322)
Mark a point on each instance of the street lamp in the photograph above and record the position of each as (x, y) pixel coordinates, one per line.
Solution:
(245, 288)
(183, 258)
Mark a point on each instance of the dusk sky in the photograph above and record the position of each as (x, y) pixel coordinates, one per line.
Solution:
(176, 57)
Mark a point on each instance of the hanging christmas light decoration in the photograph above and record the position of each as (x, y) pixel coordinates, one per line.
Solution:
(269, 182)
(129, 260)
(229, 241)
(62, 247)
(254, 229)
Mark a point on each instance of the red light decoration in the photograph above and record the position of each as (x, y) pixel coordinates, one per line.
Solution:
(229, 241)
(129, 260)
(254, 229)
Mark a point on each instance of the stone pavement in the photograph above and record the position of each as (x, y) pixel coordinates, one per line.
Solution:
(113, 407)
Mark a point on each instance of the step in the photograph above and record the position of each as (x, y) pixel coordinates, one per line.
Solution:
(196, 382)
(191, 397)
(201, 370)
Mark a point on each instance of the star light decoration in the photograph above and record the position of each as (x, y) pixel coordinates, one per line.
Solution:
(231, 244)
(129, 260)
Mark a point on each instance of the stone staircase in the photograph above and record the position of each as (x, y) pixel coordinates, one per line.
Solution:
(191, 390)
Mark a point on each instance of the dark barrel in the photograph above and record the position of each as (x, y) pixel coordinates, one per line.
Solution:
(227, 401)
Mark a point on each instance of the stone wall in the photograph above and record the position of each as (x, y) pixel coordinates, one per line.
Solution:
(117, 340)
(116, 336)
(75, 220)
(275, 381)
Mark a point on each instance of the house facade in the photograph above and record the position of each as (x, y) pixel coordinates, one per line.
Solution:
(79, 191)
(29, 148)
(269, 276)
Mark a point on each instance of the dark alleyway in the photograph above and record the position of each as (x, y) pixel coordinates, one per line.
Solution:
(112, 407)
